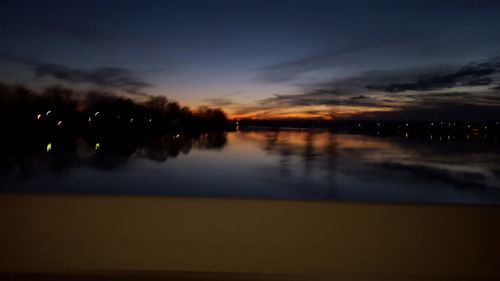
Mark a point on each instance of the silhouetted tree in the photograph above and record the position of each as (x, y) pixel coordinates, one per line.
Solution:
(62, 110)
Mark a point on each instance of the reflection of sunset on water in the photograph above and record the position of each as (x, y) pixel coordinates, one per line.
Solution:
(268, 163)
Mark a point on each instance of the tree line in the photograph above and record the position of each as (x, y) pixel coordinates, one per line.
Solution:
(64, 109)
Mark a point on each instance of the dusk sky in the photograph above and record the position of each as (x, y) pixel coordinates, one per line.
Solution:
(266, 59)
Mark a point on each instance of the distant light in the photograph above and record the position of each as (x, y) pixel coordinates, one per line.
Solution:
(448, 137)
(449, 124)
(485, 127)
(431, 137)
(468, 126)
(407, 124)
(237, 123)
(496, 123)
(378, 124)
(150, 120)
(90, 119)
(49, 147)
(97, 146)
(378, 133)
(118, 117)
(359, 125)
(48, 112)
(39, 116)
(441, 122)
(432, 124)
(176, 136)
(468, 136)
(97, 113)
(131, 120)
(59, 123)
(406, 135)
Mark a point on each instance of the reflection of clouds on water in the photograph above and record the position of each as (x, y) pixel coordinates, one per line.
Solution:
(395, 161)
(287, 163)
(306, 160)
(428, 172)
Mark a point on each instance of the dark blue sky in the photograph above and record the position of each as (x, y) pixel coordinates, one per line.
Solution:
(389, 59)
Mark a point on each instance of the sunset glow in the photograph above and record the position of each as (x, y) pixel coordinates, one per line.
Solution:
(277, 59)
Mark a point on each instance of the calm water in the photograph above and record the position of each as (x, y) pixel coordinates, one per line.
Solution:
(284, 164)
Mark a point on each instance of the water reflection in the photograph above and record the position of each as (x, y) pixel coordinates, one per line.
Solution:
(26, 157)
(301, 164)
(394, 167)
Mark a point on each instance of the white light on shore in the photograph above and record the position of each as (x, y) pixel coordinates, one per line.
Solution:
(48, 112)
(39, 116)
(59, 123)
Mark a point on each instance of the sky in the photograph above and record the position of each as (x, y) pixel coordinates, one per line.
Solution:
(357, 59)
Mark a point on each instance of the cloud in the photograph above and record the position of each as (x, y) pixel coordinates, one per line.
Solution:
(113, 78)
(435, 92)
(288, 71)
(438, 110)
(319, 97)
(219, 101)
(108, 77)
(360, 97)
(437, 96)
(471, 75)
(344, 60)
(491, 98)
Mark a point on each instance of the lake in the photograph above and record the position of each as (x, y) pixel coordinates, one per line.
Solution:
(265, 163)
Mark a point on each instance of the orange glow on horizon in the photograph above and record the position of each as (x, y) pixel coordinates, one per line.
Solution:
(249, 110)
(303, 112)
